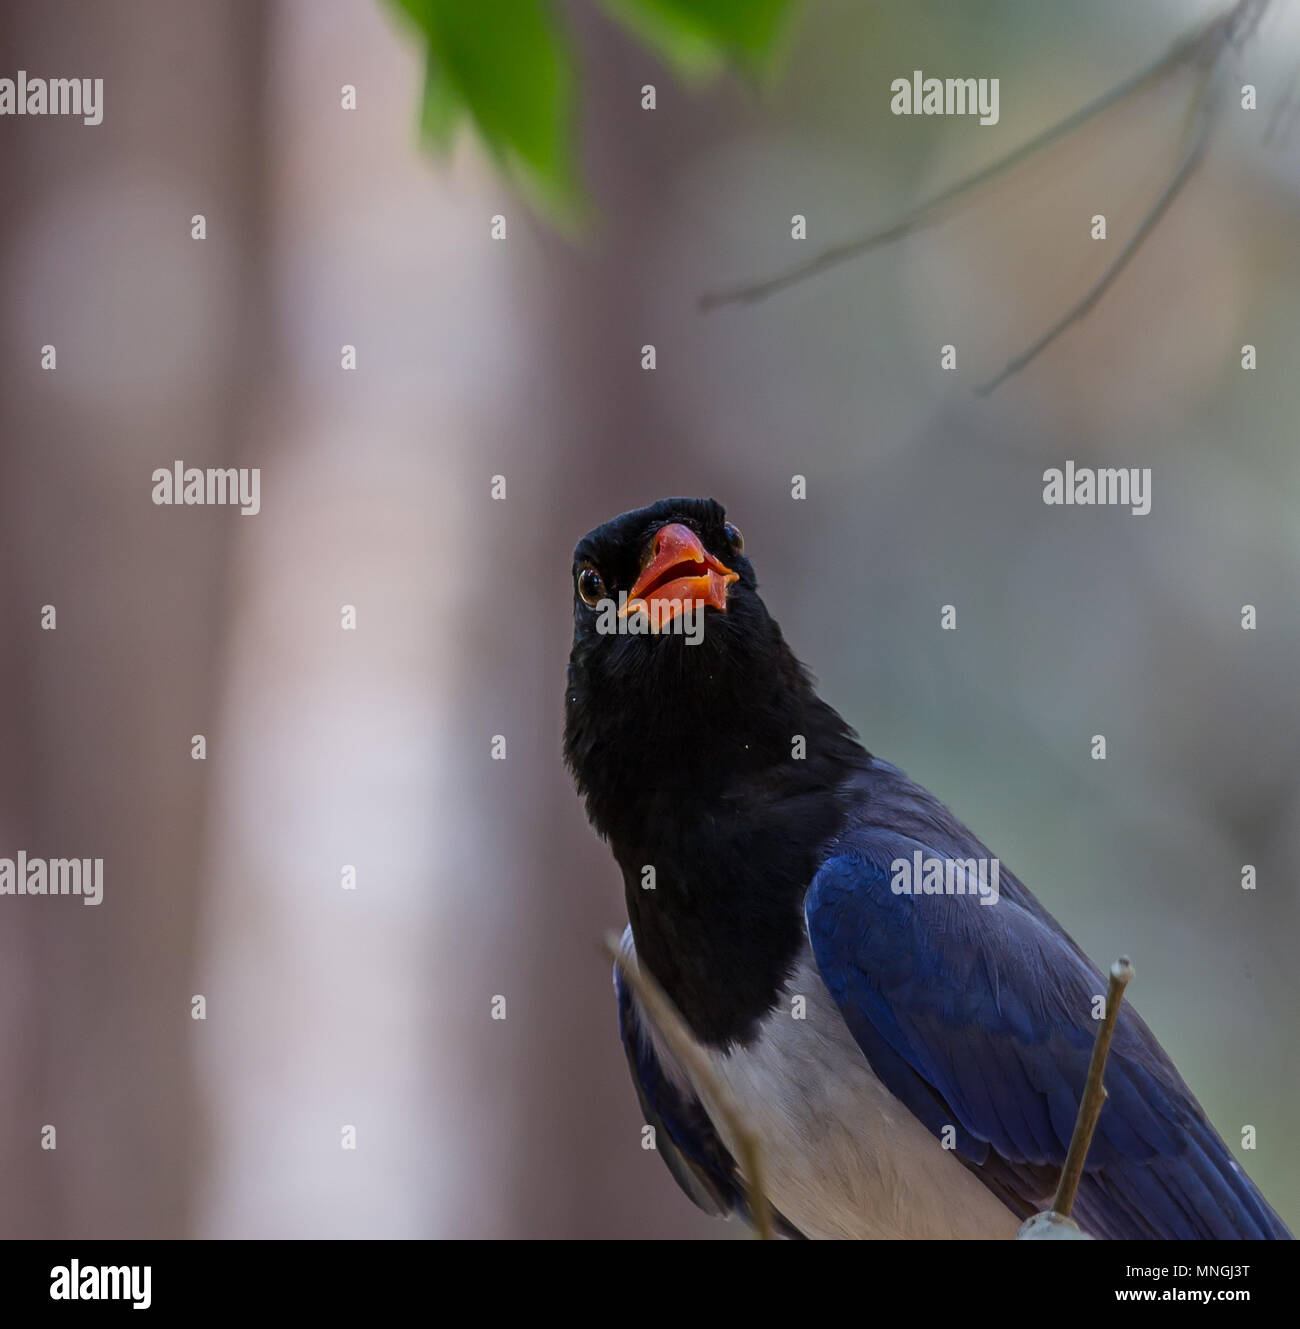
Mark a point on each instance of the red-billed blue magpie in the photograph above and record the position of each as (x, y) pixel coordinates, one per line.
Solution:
(909, 1042)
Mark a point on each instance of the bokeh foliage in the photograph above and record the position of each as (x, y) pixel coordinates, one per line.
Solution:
(508, 68)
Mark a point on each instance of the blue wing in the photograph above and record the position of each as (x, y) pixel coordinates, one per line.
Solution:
(979, 1017)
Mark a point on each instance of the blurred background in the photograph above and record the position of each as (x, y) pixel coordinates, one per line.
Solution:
(475, 878)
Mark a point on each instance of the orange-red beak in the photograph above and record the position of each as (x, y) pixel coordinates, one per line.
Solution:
(678, 573)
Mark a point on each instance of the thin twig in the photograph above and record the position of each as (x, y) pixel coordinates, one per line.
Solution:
(934, 210)
(1243, 21)
(1231, 29)
(1282, 113)
(1204, 47)
(672, 1028)
(1195, 137)
(1094, 1092)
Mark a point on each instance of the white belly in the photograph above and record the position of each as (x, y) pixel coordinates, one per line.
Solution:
(843, 1157)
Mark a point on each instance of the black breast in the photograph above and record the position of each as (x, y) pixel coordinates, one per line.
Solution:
(722, 924)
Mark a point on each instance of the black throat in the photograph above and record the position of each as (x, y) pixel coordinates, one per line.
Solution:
(718, 812)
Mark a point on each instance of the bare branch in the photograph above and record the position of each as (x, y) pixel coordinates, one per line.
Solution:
(1195, 138)
(1202, 48)
(1282, 116)
(1229, 30)
(942, 205)
(1094, 1092)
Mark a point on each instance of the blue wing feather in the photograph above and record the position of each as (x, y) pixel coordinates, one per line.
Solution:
(979, 1017)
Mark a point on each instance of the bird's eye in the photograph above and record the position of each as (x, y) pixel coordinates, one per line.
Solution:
(591, 585)
(734, 537)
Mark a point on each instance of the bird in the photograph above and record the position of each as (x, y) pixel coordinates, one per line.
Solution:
(911, 1061)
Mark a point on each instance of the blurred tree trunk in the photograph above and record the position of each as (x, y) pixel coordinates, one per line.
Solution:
(158, 341)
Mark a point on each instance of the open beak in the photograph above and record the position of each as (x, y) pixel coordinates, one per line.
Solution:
(678, 573)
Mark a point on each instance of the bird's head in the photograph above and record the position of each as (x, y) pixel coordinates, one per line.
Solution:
(680, 683)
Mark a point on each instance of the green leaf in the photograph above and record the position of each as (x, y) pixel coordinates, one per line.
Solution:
(504, 64)
(441, 107)
(698, 38)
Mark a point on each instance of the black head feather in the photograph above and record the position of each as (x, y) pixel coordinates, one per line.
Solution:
(716, 764)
